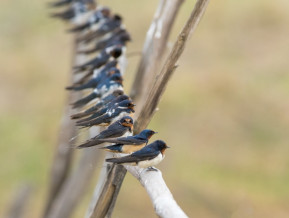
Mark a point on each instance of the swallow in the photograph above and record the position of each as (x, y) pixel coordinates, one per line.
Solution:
(98, 105)
(111, 84)
(129, 144)
(125, 108)
(98, 15)
(116, 129)
(147, 157)
(93, 83)
(109, 25)
(109, 106)
(102, 59)
(119, 38)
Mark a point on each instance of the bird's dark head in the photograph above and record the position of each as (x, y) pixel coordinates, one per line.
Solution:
(105, 12)
(117, 17)
(121, 98)
(147, 133)
(124, 37)
(127, 121)
(161, 146)
(118, 92)
(126, 104)
(116, 52)
(116, 77)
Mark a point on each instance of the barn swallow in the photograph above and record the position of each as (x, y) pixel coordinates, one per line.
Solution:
(125, 108)
(147, 157)
(129, 144)
(98, 105)
(118, 38)
(93, 83)
(113, 83)
(98, 15)
(109, 25)
(109, 106)
(102, 59)
(116, 129)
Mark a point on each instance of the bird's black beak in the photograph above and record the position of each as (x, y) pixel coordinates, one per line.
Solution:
(155, 132)
(167, 146)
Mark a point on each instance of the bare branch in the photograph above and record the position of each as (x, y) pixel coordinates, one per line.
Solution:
(169, 67)
(63, 155)
(19, 204)
(75, 186)
(154, 46)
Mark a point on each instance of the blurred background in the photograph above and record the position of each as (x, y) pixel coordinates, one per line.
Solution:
(224, 113)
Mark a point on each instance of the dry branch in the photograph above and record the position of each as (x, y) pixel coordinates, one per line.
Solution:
(162, 199)
(20, 202)
(64, 153)
(163, 77)
(154, 46)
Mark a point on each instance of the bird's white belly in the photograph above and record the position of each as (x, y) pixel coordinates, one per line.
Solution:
(150, 163)
(121, 115)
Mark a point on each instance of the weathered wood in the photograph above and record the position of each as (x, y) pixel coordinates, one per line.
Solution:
(169, 67)
(19, 203)
(154, 47)
(67, 131)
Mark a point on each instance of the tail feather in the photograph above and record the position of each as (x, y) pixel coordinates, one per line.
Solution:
(59, 3)
(89, 144)
(85, 100)
(117, 148)
(89, 85)
(93, 122)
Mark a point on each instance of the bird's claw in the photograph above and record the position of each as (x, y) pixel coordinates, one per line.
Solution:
(152, 169)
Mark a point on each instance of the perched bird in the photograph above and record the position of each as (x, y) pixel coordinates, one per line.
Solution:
(147, 157)
(125, 108)
(116, 129)
(129, 144)
(102, 59)
(95, 80)
(109, 25)
(112, 83)
(119, 37)
(99, 104)
(109, 106)
(98, 15)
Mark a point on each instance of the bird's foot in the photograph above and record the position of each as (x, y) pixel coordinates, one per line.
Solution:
(152, 169)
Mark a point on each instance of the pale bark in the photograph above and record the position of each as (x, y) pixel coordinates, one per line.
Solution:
(154, 47)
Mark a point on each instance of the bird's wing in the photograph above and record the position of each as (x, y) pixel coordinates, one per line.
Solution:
(130, 140)
(112, 131)
(135, 157)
